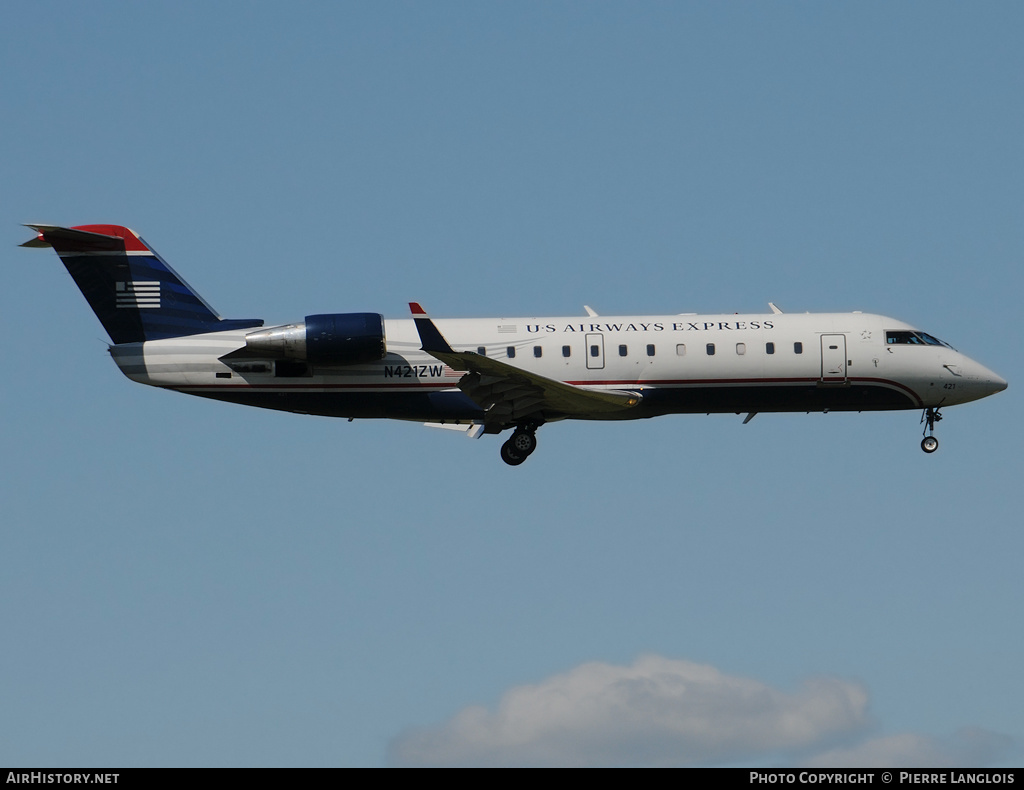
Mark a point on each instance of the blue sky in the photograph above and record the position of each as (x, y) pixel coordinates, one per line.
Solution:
(194, 583)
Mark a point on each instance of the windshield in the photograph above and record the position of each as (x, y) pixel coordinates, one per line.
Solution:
(907, 338)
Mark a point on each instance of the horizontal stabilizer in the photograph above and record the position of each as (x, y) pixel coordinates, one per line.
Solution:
(72, 238)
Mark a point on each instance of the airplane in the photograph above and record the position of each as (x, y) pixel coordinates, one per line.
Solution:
(489, 375)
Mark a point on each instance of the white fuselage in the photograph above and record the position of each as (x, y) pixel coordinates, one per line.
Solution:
(678, 363)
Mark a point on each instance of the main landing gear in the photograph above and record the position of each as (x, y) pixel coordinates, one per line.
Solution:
(931, 416)
(519, 446)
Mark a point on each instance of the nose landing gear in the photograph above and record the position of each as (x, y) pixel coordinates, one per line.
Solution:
(931, 416)
(520, 445)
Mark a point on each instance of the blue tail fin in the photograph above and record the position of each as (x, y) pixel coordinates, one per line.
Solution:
(132, 290)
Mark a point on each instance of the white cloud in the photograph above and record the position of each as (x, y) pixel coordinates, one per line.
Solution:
(965, 748)
(658, 711)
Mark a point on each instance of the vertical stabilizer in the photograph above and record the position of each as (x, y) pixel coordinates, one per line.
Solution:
(136, 295)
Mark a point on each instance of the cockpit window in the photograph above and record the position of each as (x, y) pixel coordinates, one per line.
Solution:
(931, 340)
(906, 338)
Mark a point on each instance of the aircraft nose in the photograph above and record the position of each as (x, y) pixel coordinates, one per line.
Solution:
(989, 383)
(972, 381)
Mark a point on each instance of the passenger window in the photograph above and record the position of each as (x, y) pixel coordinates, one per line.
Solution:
(566, 351)
(741, 348)
(537, 351)
(680, 349)
(711, 349)
(622, 351)
(650, 349)
(511, 351)
(481, 351)
(769, 348)
(798, 348)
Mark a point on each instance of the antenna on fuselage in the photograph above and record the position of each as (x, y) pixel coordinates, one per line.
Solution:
(590, 311)
(775, 309)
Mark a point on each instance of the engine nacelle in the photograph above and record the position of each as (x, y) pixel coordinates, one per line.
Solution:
(326, 339)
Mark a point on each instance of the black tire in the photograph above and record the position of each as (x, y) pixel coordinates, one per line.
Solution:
(509, 454)
(929, 444)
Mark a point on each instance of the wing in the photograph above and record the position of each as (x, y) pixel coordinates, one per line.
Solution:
(512, 395)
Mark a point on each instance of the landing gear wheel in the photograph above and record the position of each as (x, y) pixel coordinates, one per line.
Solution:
(509, 454)
(520, 445)
(931, 416)
(523, 442)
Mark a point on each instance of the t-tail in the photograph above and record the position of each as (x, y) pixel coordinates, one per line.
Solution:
(132, 290)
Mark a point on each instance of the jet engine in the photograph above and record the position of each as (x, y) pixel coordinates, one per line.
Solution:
(326, 339)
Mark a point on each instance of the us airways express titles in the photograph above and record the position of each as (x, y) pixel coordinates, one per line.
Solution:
(488, 375)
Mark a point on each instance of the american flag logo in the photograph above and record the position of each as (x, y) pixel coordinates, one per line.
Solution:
(453, 374)
(506, 328)
(139, 294)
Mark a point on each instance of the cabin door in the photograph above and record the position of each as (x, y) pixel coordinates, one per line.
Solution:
(833, 359)
(595, 351)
